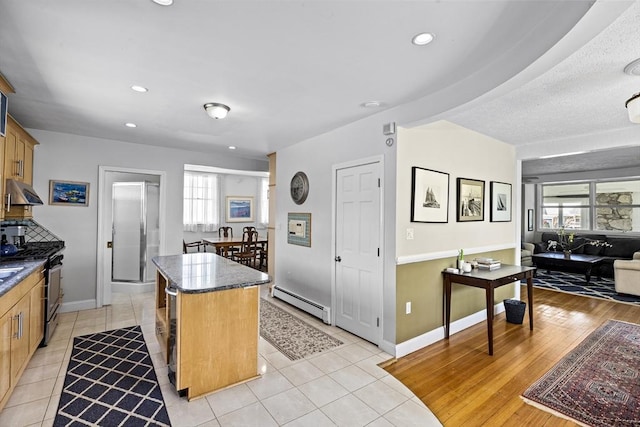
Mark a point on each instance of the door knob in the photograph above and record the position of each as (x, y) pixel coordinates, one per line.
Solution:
(338, 259)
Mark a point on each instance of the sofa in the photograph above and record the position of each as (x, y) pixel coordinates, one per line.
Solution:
(526, 250)
(627, 275)
(617, 248)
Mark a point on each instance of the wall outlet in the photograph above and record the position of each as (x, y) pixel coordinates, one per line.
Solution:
(408, 307)
(409, 233)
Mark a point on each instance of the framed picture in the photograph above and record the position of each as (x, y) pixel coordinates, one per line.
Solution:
(530, 220)
(500, 201)
(429, 195)
(239, 209)
(470, 200)
(299, 228)
(68, 193)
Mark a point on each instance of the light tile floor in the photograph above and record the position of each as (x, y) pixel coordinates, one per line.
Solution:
(343, 386)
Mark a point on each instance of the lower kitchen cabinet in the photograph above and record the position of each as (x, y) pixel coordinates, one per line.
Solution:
(21, 330)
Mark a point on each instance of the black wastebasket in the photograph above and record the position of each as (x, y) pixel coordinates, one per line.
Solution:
(515, 310)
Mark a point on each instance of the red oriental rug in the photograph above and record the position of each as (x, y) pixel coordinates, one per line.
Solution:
(598, 382)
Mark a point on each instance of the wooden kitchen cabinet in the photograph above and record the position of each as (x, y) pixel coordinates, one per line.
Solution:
(17, 163)
(5, 356)
(21, 330)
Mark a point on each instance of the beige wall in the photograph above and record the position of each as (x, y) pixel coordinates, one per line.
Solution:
(446, 147)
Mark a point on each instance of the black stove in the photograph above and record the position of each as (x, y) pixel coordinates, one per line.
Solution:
(35, 250)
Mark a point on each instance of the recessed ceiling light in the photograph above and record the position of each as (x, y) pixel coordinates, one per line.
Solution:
(232, 147)
(422, 39)
(163, 2)
(131, 125)
(139, 88)
(371, 104)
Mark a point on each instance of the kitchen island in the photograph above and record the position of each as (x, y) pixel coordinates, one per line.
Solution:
(207, 321)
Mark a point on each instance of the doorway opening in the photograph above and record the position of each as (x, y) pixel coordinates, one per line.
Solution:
(130, 230)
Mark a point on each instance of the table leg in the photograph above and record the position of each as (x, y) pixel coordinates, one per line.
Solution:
(587, 274)
(530, 298)
(447, 305)
(489, 291)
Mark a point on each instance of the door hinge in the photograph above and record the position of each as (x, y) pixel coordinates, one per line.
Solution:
(378, 182)
(378, 251)
(378, 322)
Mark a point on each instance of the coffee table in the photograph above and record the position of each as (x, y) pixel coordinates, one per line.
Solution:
(574, 263)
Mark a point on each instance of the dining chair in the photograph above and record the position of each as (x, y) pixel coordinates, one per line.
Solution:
(225, 232)
(248, 252)
(249, 228)
(263, 255)
(186, 246)
(228, 250)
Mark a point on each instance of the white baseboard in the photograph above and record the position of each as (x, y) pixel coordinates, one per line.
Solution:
(437, 334)
(88, 304)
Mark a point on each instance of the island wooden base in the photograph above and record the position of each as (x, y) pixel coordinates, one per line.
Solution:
(217, 338)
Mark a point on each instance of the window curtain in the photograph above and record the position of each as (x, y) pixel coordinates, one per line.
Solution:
(201, 202)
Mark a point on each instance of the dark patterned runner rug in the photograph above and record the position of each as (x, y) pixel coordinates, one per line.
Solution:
(291, 336)
(110, 381)
(598, 382)
(574, 284)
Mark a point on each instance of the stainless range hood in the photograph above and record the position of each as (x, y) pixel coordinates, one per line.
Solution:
(22, 194)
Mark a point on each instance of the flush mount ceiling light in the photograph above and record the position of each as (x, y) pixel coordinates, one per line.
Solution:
(131, 125)
(422, 39)
(138, 88)
(232, 147)
(163, 2)
(633, 108)
(216, 111)
(633, 68)
(371, 104)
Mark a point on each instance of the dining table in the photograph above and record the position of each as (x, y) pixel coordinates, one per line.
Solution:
(222, 244)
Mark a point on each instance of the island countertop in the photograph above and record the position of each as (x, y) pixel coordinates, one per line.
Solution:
(207, 272)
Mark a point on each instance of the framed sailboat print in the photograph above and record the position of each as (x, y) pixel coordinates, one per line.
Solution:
(429, 195)
(500, 201)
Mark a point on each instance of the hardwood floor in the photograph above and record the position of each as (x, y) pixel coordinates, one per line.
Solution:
(464, 386)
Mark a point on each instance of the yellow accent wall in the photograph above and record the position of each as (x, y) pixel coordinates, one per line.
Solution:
(461, 153)
(421, 283)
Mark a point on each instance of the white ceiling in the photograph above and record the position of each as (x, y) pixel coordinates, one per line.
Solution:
(291, 70)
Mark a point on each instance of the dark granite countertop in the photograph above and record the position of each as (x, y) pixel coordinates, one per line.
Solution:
(207, 272)
(29, 267)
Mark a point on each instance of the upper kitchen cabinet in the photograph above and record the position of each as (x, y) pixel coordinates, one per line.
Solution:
(18, 153)
(18, 164)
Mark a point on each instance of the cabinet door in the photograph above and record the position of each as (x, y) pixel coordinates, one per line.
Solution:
(36, 316)
(27, 169)
(11, 142)
(20, 335)
(5, 354)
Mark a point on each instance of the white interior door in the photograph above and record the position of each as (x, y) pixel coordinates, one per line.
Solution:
(358, 265)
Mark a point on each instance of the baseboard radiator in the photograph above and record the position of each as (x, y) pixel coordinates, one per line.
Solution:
(304, 304)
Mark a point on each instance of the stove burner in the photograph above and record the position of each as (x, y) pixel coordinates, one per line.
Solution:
(36, 250)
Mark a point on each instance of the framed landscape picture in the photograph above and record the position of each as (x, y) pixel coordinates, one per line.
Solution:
(68, 193)
(239, 209)
(429, 195)
(470, 200)
(500, 201)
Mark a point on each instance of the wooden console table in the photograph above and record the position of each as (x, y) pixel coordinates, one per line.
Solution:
(488, 280)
